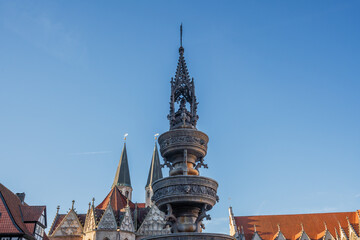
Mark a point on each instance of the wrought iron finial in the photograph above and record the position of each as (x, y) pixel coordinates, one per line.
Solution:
(125, 135)
(156, 136)
(73, 203)
(93, 201)
(57, 209)
(181, 35)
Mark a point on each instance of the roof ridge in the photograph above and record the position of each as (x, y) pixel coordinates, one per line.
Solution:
(295, 214)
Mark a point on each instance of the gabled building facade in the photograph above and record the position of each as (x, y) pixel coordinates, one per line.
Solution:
(116, 217)
(317, 226)
(18, 220)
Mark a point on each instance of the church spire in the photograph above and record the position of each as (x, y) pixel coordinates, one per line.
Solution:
(155, 168)
(155, 173)
(122, 176)
(182, 94)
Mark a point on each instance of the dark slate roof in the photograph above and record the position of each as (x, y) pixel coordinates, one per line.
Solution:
(155, 168)
(122, 176)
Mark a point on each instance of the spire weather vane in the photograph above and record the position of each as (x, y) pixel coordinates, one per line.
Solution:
(156, 136)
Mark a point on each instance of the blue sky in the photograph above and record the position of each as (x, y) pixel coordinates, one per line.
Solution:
(277, 82)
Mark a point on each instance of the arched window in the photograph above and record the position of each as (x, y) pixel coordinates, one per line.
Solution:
(106, 238)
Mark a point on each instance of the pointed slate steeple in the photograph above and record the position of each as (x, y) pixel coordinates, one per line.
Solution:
(155, 168)
(122, 176)
(154, 174)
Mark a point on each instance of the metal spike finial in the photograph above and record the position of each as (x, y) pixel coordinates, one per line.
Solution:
(57, 209)
(89, 205)
(156, 136)
(181, 35)
(73, 203)
(93, 201)
(125, 135)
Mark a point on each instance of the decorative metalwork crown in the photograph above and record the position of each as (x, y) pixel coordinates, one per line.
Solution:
(182, 97)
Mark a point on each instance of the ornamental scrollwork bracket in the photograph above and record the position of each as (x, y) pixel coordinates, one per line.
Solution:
(170, 219)
(167, 163)
(200, 218)
(201, 163)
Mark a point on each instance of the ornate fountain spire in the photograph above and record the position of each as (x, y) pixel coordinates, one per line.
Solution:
(183, 103)
(184, 196)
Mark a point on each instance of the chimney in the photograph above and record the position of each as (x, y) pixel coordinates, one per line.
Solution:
(21, 196)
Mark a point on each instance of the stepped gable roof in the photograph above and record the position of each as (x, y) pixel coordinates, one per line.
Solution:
(122, 176)
(60, 217)
(116, 199)
(290, 225)
(155, 168)
(57, 221)
(16, 215)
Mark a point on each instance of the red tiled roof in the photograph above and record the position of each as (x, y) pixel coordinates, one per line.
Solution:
(117, 200)
(141, 205)
(290, 225)
(32, 213)
(30, 227)
(45, 237)
(6, 223)
(12, 221)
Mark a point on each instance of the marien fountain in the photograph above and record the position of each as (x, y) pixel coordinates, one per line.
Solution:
(184, 196)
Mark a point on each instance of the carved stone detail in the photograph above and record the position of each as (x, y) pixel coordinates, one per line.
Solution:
(184, 189)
